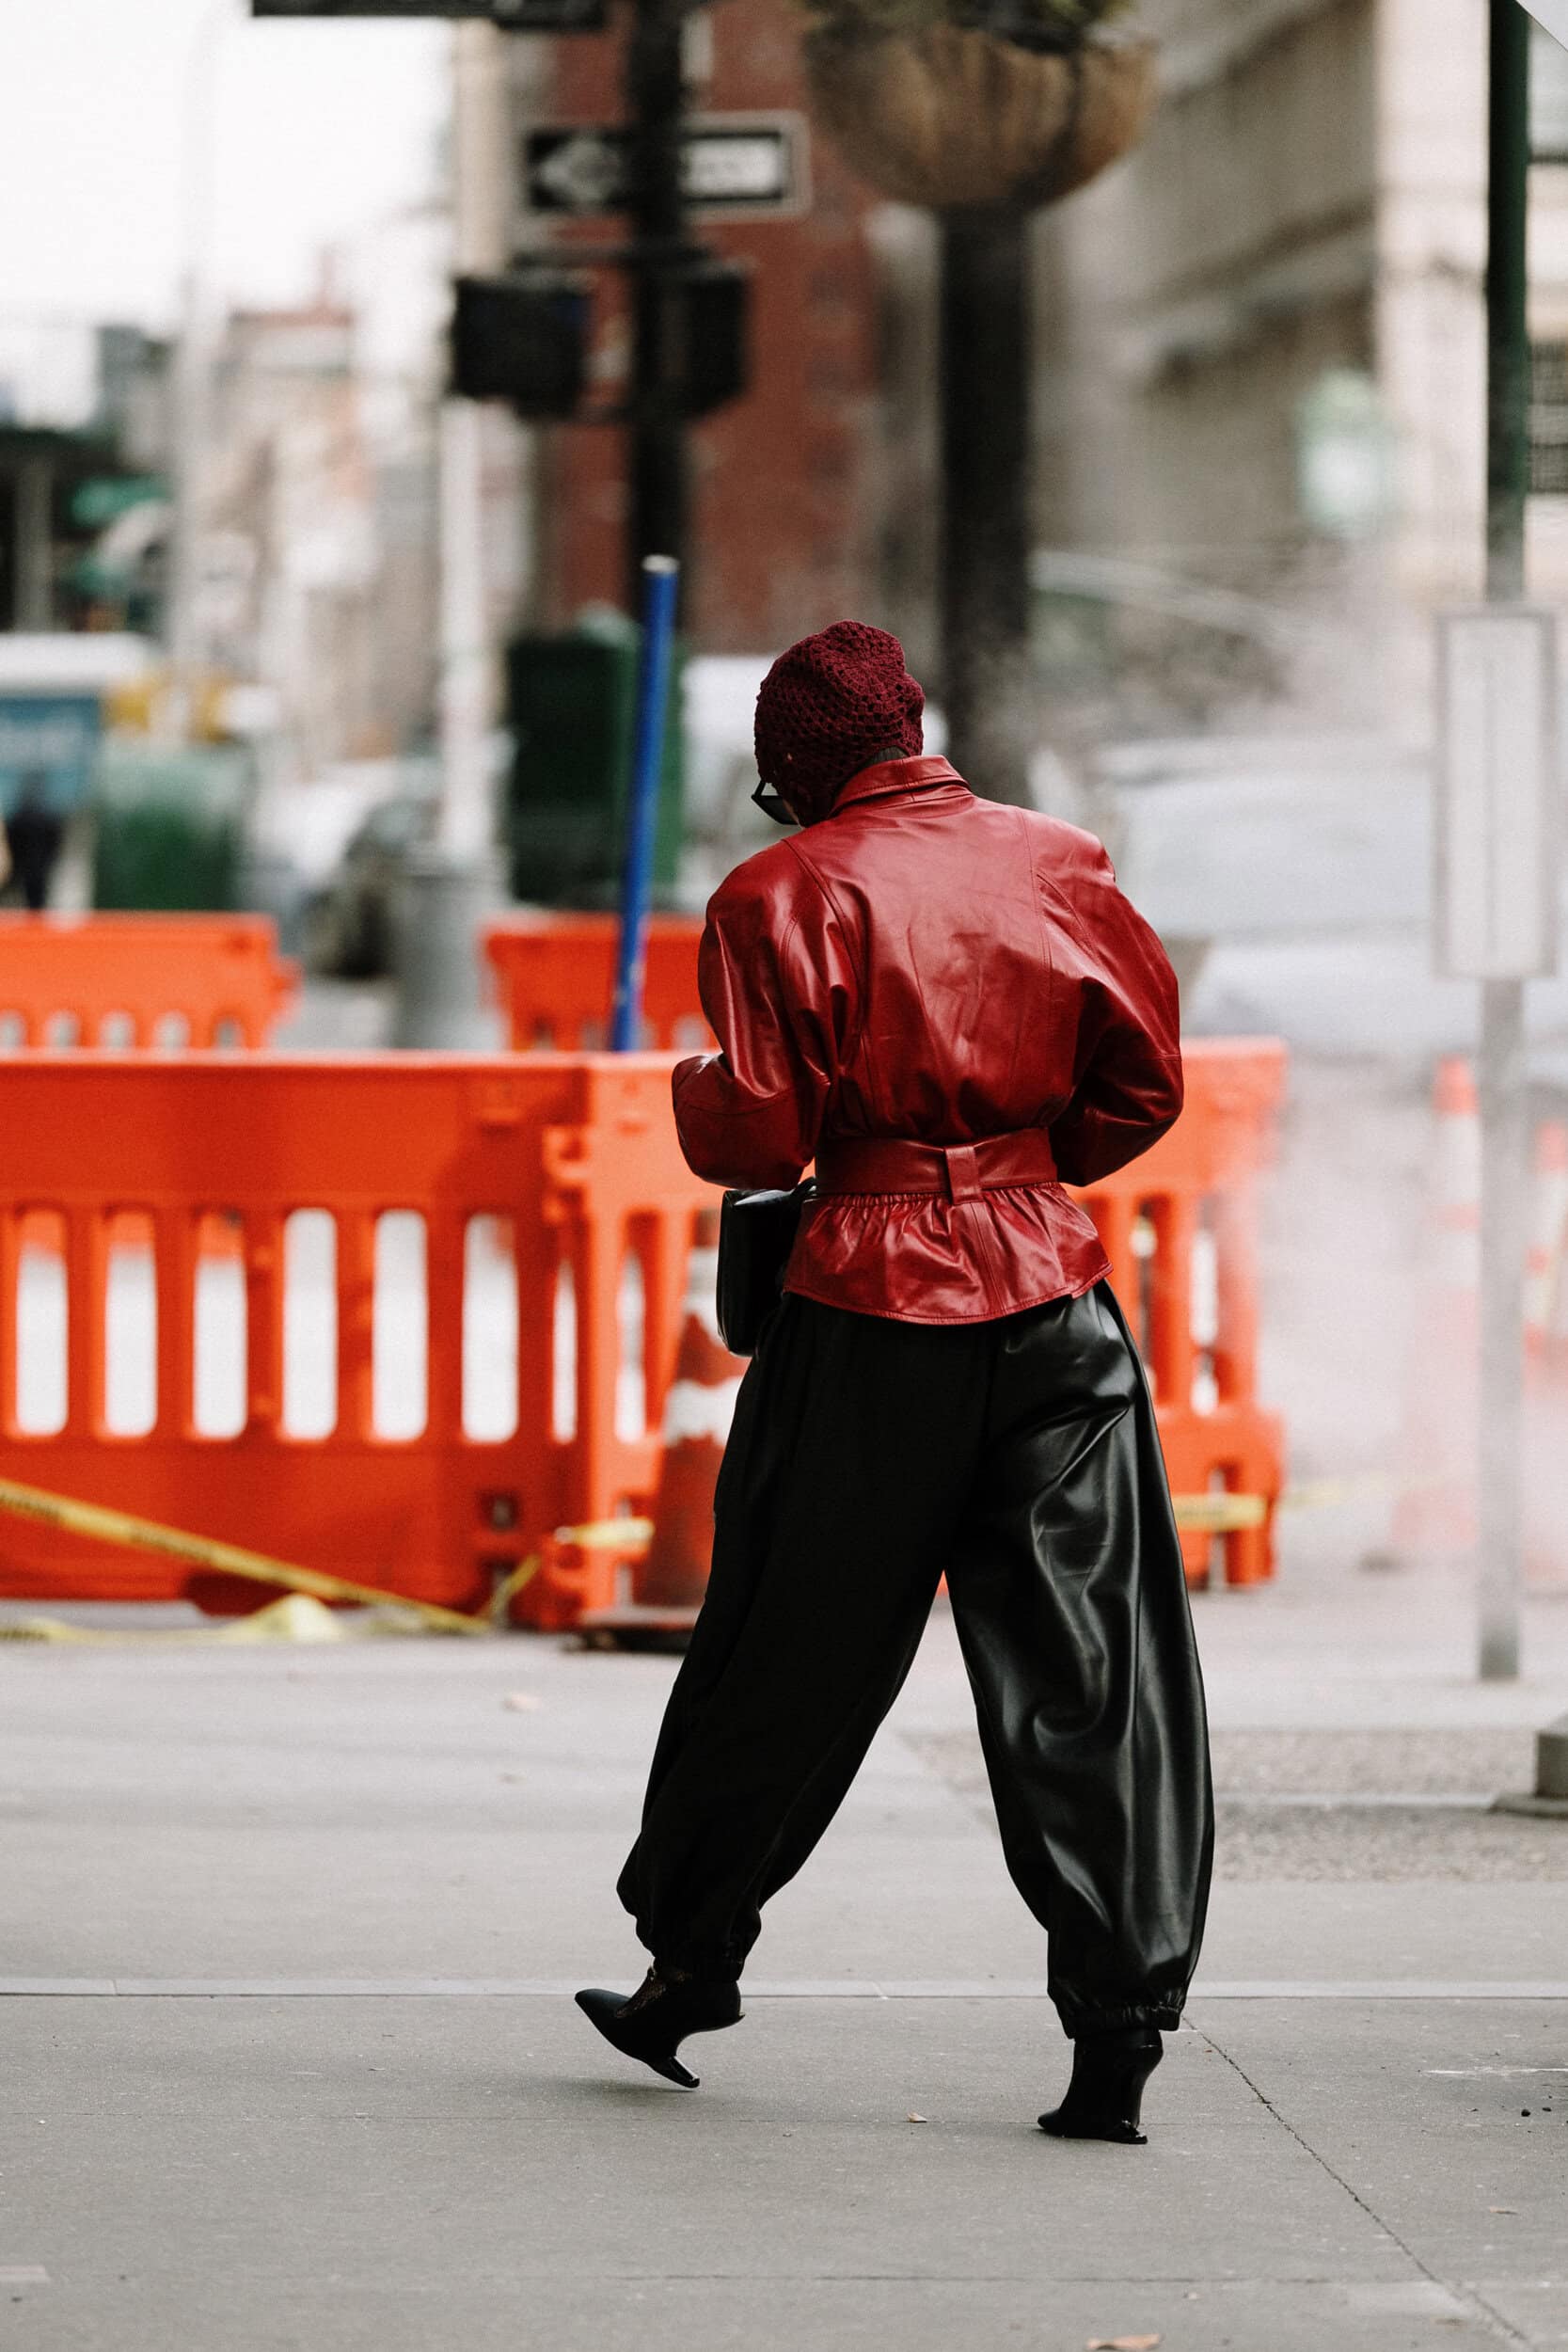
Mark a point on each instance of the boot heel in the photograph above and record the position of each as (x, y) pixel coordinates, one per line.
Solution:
(652, 2024)
(1105, 2099)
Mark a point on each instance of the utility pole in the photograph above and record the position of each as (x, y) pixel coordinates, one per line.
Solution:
(451, 881)
(192, 386)
(1502, 1064)
(985, 377)
(657, 464)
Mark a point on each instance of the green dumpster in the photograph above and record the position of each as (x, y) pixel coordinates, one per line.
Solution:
(168, 829)
(571, 705)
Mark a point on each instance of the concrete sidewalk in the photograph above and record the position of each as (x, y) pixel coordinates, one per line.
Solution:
(289, 1934)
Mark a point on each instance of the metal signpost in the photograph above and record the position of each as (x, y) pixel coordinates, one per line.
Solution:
(1497, 840)
(735, 165)
(662, 582)
(1498, 825)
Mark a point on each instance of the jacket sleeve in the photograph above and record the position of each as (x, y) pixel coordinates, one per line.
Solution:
(774, 987)
(1127, 1077)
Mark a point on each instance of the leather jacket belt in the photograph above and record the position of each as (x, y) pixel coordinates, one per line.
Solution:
(959, 1171)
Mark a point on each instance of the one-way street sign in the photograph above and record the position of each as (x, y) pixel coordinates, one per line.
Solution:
(1552, 15)
(513, 16)
(740, 165)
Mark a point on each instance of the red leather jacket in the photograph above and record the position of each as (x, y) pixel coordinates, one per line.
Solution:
(923, 963)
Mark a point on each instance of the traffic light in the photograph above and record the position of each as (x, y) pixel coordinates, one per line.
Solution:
(716, 343)
(523, 340)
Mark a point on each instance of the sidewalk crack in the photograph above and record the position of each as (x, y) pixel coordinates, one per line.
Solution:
(1502, 2328)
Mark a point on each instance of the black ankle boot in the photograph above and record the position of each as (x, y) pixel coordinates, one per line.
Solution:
(653, 2023)
(1109, 2071)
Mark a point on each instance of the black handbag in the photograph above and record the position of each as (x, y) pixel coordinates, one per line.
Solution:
(757, 1233)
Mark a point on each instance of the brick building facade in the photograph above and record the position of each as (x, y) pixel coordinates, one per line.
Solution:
(784, 526)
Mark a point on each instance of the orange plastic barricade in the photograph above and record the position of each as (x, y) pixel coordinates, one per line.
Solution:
(405, 1320)
(1181, 1229)
(141, 980)
(532, 1188)
(555, 975)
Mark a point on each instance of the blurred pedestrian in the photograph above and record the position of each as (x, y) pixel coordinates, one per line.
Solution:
(951, 1009)
(36, 834)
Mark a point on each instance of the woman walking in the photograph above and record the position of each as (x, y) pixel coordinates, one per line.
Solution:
(951, 1010)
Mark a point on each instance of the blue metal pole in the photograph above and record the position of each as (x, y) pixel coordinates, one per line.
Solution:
(660, 584)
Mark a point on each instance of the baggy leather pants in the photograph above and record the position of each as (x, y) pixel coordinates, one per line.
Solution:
(1020, 1458)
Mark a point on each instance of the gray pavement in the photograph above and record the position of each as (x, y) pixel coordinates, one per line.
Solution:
(289, 1934)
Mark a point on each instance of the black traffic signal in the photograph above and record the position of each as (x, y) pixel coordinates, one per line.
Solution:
(523, 340)
(716, 343)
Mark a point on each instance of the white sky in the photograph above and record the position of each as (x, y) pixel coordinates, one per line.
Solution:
(321, 130)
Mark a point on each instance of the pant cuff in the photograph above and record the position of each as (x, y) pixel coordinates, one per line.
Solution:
(709, 1966)
(1120, 2017)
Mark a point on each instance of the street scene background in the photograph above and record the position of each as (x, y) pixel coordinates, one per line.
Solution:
(1164, 479)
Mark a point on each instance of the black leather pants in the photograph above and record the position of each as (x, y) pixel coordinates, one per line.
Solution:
(1020, 1458)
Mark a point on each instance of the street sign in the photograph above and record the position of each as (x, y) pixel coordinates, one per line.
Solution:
(513, 16)
(1552, 15)
(1498, 789)
(748, 166)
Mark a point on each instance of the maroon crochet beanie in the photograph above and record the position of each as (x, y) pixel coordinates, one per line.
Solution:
(828, 707)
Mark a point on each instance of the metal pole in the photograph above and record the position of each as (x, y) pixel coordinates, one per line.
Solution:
(986, 465)
(34, 560)
(1503, 1066)
(192, 377)
(1507, 302)
(661, 584)
(451, 881)
(657, 456)
(481, 223)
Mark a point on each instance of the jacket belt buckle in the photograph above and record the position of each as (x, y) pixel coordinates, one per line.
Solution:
(963, 1172)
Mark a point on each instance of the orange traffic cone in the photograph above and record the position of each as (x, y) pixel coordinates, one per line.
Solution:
(1436, 1511)
(1549, 1234)
(1546, 1364)
(668, 1582)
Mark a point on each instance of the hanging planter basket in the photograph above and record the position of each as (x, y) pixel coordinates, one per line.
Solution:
(954, 117)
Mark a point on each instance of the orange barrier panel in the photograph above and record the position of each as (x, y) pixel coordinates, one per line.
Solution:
(1181, 1229)
(555, 975)
(555, 1217)
(141, 980)
(569, 1165)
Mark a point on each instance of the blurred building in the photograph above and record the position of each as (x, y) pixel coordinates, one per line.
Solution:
(1261, 340)
(1261, 369)
(288, 574)
(1259, 385)
(787, 480)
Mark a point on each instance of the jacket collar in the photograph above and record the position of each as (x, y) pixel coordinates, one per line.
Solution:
(904, 776)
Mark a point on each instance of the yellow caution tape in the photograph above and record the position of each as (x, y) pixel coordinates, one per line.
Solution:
(609, 1535)
(598, 1536)
(118, 1527)
(1220, 1514)
(505, 1592)
(202, 1551)
(294, 1618)
(1328, 1493)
